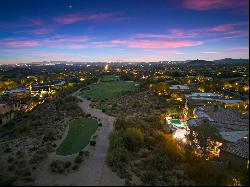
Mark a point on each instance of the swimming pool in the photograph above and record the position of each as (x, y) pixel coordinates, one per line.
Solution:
(178, 123)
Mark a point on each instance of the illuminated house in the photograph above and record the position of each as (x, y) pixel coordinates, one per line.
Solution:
(202, 99)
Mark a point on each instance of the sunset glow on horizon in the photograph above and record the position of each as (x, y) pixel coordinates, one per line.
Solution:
(131, 30)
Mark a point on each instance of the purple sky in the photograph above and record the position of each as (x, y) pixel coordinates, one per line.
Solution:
(123, 30)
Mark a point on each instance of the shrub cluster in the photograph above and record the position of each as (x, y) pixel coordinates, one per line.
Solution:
(123, 139)
(59, 166)
(39, 155)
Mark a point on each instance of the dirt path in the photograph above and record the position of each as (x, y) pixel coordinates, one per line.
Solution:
(94, 170)
(98, 173)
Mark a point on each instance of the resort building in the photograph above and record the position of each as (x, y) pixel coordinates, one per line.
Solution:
(203, 99)
(200, 99)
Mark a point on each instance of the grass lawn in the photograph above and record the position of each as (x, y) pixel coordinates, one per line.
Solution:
(80, 132)
(106, 90)
(109, 78)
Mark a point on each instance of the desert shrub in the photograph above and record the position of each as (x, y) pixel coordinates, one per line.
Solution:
(133, 139)
(190, 157)
(78, 159)
(149, 119)
(159, 161)
(50, 148)
(23, 172)
(67, 164)
(21, 163)
(39, 155)
(149, 178)
(118, 154)
(7, 180)
(128, 183)
(171, 147)
(99, 124)
(7, 150)
(122, 123)
(11, 167)
(28, 179)
(80, 153)
(36, 123)
(20, 154)
(245, 177)
(75, 167)
(92, 142)
(59, 166)
(205, 173)
(115, 139)
(21, 129)
(49, 135)
(10, 159)
(117, 158)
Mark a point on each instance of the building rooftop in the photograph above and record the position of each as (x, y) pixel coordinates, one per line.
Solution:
(229, 101)
(17, 90)
(192, 122)
(233, 136)
(203, 94)
(202, 114)
(240, 148)
(179, 87)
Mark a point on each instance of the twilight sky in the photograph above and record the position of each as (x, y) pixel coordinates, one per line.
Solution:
(123, 30)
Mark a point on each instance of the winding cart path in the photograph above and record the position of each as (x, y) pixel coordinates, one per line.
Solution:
(94, 170)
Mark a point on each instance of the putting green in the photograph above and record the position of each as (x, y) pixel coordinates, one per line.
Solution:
(78, 137)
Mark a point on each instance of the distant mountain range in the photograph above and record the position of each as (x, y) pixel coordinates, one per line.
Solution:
(232, 61)
(226, 61)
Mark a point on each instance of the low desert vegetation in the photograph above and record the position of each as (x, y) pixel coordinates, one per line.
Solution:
(59, 166)
(147, 155)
